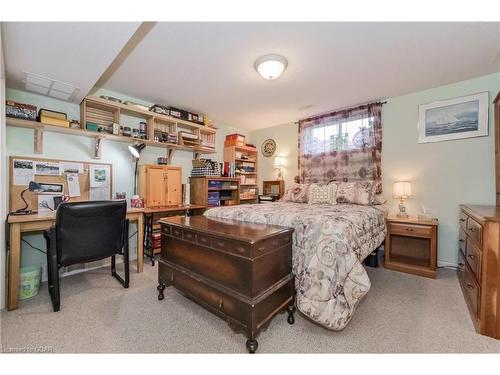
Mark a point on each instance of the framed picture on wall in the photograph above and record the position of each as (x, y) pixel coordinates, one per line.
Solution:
(457, 118)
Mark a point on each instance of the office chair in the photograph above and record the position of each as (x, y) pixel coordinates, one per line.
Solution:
(86, 232)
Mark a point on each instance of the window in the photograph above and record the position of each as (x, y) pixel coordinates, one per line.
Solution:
(344, 145)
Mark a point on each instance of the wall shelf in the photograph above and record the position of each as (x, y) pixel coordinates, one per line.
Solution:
(39, 128)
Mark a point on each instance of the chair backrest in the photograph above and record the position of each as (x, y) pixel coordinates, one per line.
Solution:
(89, 231)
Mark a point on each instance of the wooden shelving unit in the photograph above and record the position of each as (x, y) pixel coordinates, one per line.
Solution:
(244, 157)
(200, 190)
(102, 111)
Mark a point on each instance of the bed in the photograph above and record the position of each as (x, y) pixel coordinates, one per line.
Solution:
(330, 243)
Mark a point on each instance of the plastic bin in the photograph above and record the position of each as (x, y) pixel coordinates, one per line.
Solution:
(29, 281)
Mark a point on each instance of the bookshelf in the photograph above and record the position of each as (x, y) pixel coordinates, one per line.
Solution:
(246, 168)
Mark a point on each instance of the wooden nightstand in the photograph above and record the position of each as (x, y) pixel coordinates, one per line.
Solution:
(411, 246)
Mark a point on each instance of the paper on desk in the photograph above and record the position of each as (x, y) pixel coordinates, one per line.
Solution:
(99, 175)
(73, 184)
(23, 172)
(46, 202)
(99, 193)
(70, 167)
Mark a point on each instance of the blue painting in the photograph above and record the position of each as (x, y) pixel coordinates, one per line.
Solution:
(457, 118)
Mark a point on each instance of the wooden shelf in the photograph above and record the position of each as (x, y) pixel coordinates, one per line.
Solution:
(246, 160)
(245, 172)
(40, 128)
(144, 114)
(247, 199)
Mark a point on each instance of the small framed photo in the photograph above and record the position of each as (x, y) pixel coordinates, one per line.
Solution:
(456, 118)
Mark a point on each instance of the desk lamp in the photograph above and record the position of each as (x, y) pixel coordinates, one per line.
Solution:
(136, 151)
(33, 187)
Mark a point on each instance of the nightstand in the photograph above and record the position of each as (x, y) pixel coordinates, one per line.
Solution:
(411, 246)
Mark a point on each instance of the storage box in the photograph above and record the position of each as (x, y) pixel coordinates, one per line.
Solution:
(46, 116)
(235, 136)
(214, 184)
(178, 113)
(91, 126)
(20, 110)
(234, 142)
(161, 109)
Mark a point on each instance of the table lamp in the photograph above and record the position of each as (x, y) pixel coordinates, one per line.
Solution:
(279, 163)
(33, 187)
(402, 190)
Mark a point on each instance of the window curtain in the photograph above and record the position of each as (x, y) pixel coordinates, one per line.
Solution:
(342, 146)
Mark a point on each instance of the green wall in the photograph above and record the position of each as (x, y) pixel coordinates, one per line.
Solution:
(443, 174)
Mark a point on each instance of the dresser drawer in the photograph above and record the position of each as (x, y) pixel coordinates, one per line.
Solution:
(410, 229)
(233, 247)
(473, 291)
(211, 298)
(473, 258)
(463, 220)
(272, 244)
(475, 231)
(461, 240)
(461, 268)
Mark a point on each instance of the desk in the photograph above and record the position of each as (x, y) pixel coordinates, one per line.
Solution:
(40, 222)
(151, 217)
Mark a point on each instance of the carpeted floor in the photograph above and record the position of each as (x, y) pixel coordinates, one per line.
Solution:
(401, 313)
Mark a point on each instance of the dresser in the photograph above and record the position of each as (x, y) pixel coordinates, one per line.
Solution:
(240, 271)
(479, 265)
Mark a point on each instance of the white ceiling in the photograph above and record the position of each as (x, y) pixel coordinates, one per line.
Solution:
(208, 67)
(74, 53)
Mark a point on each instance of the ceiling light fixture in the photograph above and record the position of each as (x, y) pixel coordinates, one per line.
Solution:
(271, 66)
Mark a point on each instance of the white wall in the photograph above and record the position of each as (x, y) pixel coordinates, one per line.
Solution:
(3, 176)
(443, 174)
(59, 146)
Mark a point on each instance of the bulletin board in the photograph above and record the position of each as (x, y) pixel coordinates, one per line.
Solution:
(50, 175)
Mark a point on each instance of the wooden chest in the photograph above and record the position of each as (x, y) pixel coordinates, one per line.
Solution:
(479, 265)
(240, 271)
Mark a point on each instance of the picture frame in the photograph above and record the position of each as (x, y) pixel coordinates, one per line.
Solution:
(456, 118)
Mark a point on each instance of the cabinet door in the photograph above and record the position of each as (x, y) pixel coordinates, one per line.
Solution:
(156, 186)
(174, 187)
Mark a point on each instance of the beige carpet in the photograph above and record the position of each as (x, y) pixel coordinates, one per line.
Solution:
(401, 313)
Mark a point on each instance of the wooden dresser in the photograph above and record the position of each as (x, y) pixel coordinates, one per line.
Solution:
(240, 271)
(479, 265)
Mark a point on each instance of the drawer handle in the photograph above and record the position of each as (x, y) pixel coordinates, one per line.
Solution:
(172, 278)
(220, 243)
(261, 249)
(461, 241)
(472, 256)
(240, 249)
(410, 229)
(461, 265)
(462, 220)
(275, 243)
(220, 304)
(470, 286)
(473, 229)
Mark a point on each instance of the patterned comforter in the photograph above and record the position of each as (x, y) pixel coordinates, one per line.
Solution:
(329, 244)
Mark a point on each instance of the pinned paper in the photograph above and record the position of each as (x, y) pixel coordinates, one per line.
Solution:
(70, 167)
(23, 172)
(99, 193)
(73, 184)
(46, 168)
(46, 202)
(99, 176)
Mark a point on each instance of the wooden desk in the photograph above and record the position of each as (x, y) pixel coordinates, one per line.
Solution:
(40, 222)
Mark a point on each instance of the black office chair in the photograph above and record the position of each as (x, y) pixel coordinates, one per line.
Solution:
(86, 232)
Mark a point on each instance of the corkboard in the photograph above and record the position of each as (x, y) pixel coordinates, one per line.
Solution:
(15, 201)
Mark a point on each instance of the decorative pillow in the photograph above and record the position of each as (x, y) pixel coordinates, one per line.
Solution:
(323, 194)
(379, 199)
(298, 193)
(356, 192)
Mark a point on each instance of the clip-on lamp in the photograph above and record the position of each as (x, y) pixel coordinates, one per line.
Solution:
(33, 187)
(136, 151)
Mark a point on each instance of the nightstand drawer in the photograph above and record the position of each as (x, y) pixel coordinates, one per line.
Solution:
(461, 240)
(412, 230)
(463, 220)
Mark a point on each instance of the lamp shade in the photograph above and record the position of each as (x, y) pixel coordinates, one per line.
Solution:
(136, 149)
(401, 189)
(279, 161)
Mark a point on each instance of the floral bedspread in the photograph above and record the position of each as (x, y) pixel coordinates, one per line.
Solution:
(329, 244)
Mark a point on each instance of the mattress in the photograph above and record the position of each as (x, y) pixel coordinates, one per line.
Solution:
(330, 243)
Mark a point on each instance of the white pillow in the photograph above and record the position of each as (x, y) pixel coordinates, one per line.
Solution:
(323, 194)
